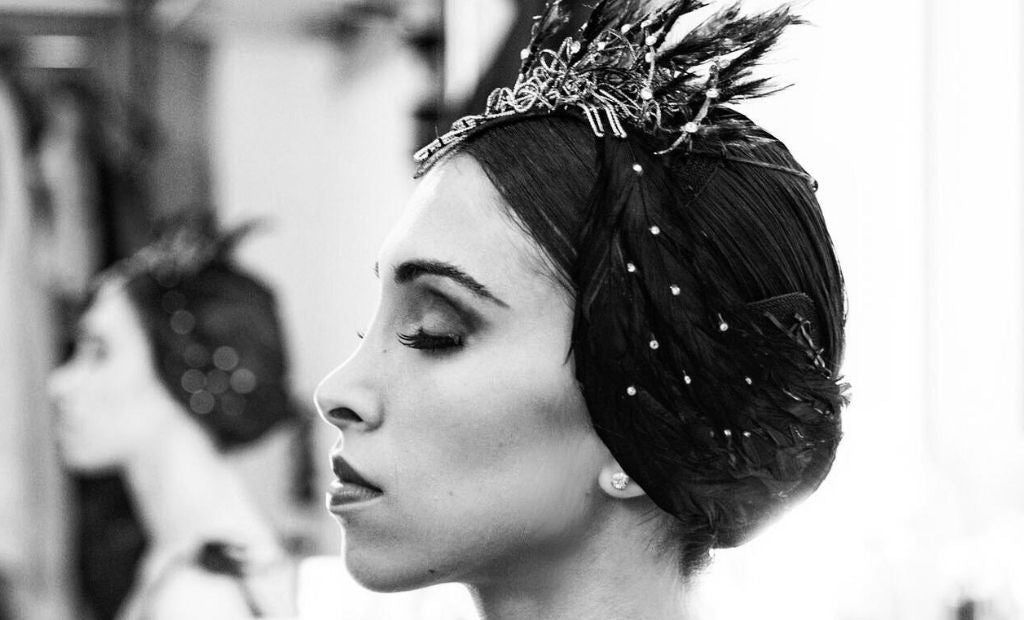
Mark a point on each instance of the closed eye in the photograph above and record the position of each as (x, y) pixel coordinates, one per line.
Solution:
(421, 339)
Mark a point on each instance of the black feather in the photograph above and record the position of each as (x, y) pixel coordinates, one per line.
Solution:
(545, 26)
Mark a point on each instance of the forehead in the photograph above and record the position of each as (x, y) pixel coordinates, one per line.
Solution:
(456, 215)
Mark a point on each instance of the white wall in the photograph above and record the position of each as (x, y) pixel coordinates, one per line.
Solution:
(909, 114)
(975, 231)
(317, 140)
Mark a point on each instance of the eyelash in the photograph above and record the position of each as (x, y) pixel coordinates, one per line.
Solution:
(430, 342)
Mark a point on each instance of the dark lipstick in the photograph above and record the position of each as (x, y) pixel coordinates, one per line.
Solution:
(349, 488)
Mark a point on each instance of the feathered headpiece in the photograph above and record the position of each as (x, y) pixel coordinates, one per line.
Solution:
(626, 70)
(722, 407)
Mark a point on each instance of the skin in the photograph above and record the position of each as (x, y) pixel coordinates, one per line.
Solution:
(490, 470)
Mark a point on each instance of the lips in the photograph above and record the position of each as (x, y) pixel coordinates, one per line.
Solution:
(351, 488)
(348, 474)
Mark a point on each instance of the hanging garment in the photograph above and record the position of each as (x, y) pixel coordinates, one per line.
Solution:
(32, 536)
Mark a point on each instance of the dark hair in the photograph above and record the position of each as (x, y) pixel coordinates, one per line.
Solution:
(218, 348)
(731, 231)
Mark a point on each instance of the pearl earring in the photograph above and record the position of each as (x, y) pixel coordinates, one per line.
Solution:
(620, 481)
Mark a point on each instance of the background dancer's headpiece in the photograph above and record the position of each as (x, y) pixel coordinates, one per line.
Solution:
(709, 304)
(214, 329)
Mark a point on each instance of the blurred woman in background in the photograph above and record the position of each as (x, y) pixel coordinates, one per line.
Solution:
(609, 334)
(179, 358)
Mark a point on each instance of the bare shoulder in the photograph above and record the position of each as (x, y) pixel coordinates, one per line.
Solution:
(194, 593)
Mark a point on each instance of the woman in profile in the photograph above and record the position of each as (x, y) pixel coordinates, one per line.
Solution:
(179, 359)
(609, 333)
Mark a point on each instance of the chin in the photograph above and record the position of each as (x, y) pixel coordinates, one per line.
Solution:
(383, 572)
(89, 467)
(84, 462)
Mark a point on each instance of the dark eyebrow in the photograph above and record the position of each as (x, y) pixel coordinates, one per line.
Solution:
(410, 270)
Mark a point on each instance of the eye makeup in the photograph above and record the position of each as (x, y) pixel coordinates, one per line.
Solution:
(435, 321)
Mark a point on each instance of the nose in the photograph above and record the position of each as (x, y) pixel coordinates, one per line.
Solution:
(350, 397)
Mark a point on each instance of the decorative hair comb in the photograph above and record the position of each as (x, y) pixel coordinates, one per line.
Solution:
(643, 75)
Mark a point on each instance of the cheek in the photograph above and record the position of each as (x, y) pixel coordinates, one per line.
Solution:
(101, 408)
(106, 391)
(499, 445)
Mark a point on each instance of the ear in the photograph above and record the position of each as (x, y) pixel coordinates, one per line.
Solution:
(611, 477)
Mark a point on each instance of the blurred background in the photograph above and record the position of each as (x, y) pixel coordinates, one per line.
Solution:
(118, 112)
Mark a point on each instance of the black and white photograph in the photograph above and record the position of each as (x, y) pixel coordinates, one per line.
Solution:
(511, 310)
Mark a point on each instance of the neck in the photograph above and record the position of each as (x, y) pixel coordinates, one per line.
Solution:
(186, 491)
(612, 576)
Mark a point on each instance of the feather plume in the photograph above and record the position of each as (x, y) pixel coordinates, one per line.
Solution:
(545, 26)
(621, 73)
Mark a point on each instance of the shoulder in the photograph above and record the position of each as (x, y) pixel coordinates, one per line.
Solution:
(190, 591)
